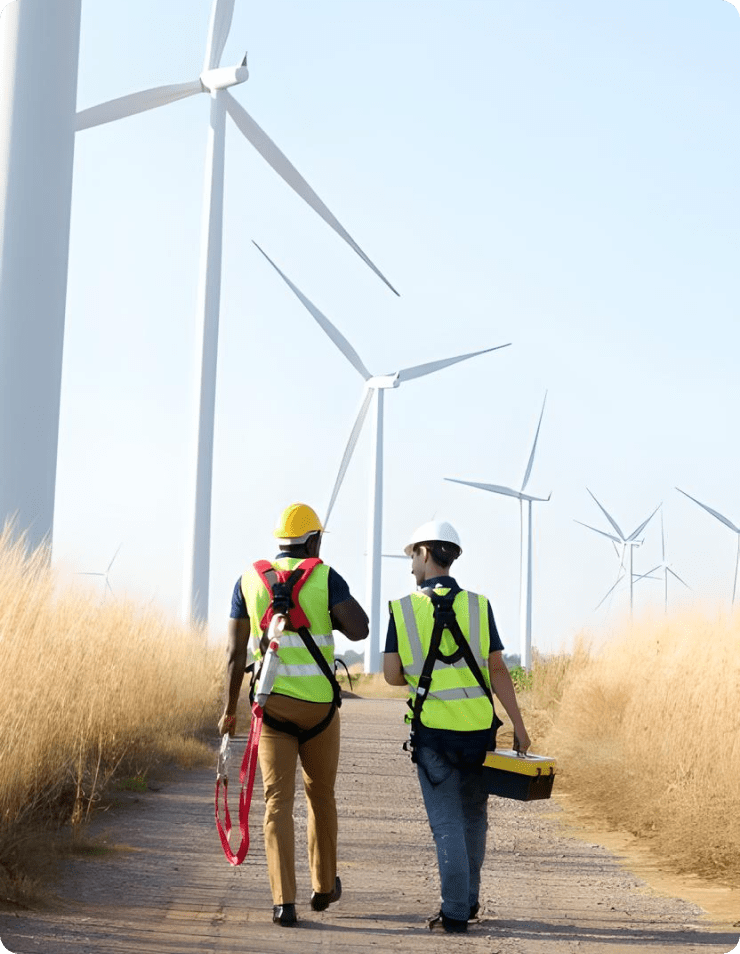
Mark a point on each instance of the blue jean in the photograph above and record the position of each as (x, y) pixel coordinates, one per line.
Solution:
(456, 803)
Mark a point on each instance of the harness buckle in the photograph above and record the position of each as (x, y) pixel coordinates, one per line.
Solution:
(281, 598)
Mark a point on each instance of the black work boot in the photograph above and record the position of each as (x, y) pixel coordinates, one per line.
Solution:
(284, 915)
(320, 901)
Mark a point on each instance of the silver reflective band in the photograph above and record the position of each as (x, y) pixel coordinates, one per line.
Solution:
(462, 692)
(293, 641)
(310, 669)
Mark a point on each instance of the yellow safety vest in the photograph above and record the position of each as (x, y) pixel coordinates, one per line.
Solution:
(298, 675)
(455, 699)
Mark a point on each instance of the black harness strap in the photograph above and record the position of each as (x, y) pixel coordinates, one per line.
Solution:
(445, 619)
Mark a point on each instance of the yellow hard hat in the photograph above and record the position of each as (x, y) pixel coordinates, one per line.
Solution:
(296, 523)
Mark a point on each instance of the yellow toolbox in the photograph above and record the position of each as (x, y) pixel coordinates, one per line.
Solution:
(524, 777)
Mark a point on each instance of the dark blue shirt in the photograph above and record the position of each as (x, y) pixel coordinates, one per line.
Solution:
(448, 582)
(338, 592)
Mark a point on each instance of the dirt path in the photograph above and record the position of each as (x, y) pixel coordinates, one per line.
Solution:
(169, 890)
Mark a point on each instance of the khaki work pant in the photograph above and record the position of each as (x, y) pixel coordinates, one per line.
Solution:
(278, 755)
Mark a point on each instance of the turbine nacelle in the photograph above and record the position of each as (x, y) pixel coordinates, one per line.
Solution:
(224, 77)
(383, 381)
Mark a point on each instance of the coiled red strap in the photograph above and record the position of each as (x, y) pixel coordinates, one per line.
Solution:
(246, 775)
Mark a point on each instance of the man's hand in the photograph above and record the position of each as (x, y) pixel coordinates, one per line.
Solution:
(521, 740)
(227, 723)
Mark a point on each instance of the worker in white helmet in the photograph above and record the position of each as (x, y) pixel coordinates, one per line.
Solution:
(442, 641)
(300, 717)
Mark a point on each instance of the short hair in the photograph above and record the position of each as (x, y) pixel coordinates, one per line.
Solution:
(443, 553)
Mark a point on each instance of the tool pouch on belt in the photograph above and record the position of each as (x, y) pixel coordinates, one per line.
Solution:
(445, 619)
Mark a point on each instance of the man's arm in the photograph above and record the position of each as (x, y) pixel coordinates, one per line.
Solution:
(350, 619)
(237, 652)
(393, 670)
(504, 689)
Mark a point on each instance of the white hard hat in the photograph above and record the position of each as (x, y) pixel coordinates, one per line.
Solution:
(433, 530)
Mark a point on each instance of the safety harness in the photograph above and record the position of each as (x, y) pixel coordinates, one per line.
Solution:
(444, 619)
(283, 587)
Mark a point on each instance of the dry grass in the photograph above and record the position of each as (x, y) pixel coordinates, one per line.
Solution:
(87, 690)
(647, 736)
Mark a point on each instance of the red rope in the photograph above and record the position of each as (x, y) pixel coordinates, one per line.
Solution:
(247, 773)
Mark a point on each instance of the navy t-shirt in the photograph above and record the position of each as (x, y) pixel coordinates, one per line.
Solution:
(391, 639)
(338, 592)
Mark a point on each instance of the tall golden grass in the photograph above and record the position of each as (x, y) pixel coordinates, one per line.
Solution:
(646, 731)
(86, 689)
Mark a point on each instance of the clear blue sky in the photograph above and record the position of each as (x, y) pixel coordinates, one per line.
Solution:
(559, 175)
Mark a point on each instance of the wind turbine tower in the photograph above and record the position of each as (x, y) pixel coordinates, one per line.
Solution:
(626, 543)
(215, 81)
(727, 523)
(525, 509)
(375, 388)
(39, 51)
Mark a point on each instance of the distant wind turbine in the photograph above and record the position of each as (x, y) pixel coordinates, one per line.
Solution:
(525, 512)
(375, 386)
(107, 588)
(626, 543)
(664, 566)
(727, 523)
(215, 81)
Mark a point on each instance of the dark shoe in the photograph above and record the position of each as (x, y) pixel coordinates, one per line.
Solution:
(284, 915)
(448, 925)
(321, 901)
(473, 916)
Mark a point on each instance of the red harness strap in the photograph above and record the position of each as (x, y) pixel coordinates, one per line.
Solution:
(247, 772)
(296, 617)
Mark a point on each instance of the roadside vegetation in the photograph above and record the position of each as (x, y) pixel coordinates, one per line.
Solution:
(91, 693)
(646, 733)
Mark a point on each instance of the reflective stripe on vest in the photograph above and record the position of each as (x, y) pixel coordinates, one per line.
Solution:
(298, 675)
(455, 700)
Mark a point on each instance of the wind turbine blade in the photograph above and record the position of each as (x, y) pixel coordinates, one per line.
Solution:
(287, 171)
(534, 446)
(494, 488)
(662, 538)
(135, 103)
(336, 336)
(610, 536)
(642, 526)
(608, 517)
(609, 591)
(113, 559)
(673, 573)
(407, 374)
(647, 576)
(222, 13)
(724, 520)
(349, 450)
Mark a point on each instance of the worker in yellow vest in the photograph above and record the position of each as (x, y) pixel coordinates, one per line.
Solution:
(442, 641)
(300, 716)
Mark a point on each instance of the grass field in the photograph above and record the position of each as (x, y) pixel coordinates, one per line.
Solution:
(647, 736)
(646, 730)
(89, 691)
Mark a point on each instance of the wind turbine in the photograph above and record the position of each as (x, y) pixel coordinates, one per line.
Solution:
(214, 80)
(727, 523)
(525, 511)
(626, 543)
(665, 567)
(107, 588)
(39, 52)
(375, 387)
